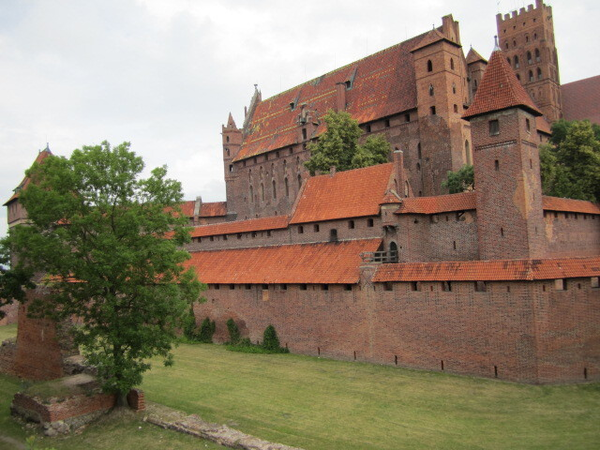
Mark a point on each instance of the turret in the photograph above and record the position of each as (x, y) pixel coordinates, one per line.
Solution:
(232, 140)
(508, 188)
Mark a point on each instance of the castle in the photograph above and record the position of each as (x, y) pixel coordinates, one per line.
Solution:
(382, 265)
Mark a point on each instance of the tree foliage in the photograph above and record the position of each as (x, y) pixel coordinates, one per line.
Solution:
(570, 164)
(461, 180)
(109, 244)
(339, 146)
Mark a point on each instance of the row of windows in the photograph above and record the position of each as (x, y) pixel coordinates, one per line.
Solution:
(561, 284)
(430, 65)
(570, 215)
(524, 23)
(286, 188)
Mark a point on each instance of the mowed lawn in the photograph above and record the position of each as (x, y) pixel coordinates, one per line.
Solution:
(323, 404)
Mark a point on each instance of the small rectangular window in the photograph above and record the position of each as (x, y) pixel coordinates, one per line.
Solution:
(217, 287)
(432, 110)
(446, 286)
(560, 284)
(284, 287)
(248, 286)
(232, 286)
(415, 286)
(494, 127)
(370, 223)
(324, 287)
(303, 287)
(316, 228)
(300, 229)
(351, 224)
(265, 287)
(348, 287)
(480, 286)
(388, 286)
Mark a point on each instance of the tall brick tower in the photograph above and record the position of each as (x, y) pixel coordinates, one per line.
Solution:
(507, 167)
(441, 73)
(527, 39)
(232, 140)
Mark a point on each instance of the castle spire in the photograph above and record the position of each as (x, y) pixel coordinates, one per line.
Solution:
(500, 89)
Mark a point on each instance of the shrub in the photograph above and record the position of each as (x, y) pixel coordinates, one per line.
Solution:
(234, 332)
(270, 339)
(207, 329)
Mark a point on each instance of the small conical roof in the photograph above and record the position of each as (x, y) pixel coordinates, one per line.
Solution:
(473, 56)
(500, 89)
(231, 122)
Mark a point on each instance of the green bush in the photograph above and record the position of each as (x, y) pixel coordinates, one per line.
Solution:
(234, 332)
(207, 329)
(270, 339)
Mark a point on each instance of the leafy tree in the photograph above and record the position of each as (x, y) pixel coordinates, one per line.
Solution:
(570, 164)
(461, 180)
(339, 146)
(109, 244)
(12, 282)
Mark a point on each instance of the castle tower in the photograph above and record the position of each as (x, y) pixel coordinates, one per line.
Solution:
(16, 213)
(441, 72)
(232, 140)
(507, 168)
(527, 39)
(476, 66)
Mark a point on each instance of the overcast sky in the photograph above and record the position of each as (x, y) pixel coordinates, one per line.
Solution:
(164, 74)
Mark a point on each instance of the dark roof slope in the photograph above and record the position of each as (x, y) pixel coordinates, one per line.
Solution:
(381, 84)
(581, 99)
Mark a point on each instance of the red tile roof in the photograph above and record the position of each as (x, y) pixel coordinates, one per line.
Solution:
(241, 226)
(39, 158)
(438, 204)
(542, 125)
(326, 263)
(500, 270)
(187, 208)
(569, 205)
(500, 89)
(473, 56)
(213, 209)
(354, 193)
(382, 84)
(581, 99)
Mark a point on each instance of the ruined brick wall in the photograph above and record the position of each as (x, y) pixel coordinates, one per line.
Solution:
(507, 331)
(572, 234)
(8, 354)
(74, 406)
(39, 353)
(11, 311)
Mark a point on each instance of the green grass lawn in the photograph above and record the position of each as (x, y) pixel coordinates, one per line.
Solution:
(324, 404)
(8, 331)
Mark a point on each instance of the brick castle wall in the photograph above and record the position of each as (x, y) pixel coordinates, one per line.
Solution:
(512, 330)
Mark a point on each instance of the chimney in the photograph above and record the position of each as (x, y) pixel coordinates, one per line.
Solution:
(340, 96)
(197, 209)
(398, 160)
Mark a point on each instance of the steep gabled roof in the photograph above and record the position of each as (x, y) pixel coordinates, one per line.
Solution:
(327, 263)
(42, 155)
(569, 205)
(473, 57)
(354, 193)
(500, 89)
(438, 204)
(432, 37)
(380, 85)
(496, 270)
(241, 226)
(581, 99)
